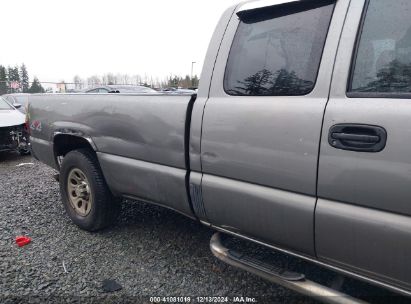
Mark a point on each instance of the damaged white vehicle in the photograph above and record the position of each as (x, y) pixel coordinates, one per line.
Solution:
(13, 130)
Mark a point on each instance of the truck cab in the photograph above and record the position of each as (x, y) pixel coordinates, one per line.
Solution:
(295, 139)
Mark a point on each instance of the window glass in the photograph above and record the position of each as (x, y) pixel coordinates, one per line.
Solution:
(10, 99)
(4, 105)
(383, 63)
(278, 53)
(22, 100)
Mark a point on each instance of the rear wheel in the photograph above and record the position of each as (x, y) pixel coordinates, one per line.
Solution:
(85, 195)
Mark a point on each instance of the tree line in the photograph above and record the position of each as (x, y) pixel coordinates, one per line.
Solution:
(16, 80)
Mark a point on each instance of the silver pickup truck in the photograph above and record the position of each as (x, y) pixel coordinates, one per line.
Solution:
(296, 140)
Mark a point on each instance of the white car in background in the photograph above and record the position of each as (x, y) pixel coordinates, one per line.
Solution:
(13, 130)
(18, 100)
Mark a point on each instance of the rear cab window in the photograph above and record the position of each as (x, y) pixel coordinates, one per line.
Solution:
(382, 61)
(277, 52)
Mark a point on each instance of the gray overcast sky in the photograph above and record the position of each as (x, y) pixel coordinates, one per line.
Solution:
(59, 39)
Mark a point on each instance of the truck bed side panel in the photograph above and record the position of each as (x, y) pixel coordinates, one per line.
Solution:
(148, 181)
(140, 139)
(143, 127)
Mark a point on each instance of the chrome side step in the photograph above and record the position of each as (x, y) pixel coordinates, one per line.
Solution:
(280, 276)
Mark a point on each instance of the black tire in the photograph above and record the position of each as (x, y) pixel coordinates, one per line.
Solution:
(104, 207)
(24, 152)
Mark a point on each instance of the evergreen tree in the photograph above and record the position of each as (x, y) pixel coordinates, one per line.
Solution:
(195, 81)
(186, 82)
(13, 77)
(13, 74)
(3, 80)
(36, 86)
(24, 78)
(173, 81)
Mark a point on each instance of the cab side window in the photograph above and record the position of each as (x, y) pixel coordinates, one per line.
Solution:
(277, 52)
(383, 56)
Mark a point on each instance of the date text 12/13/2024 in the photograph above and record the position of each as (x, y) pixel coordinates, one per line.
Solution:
(201, 299)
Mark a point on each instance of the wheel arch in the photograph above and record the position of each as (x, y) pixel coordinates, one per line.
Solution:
(64, 142)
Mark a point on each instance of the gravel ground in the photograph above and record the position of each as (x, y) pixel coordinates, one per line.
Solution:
(150, 252)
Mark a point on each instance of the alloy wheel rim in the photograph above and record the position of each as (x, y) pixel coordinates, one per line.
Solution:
(79, 193)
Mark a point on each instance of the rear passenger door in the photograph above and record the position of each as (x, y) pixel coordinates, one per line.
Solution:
(261, 130)
(363, 216)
